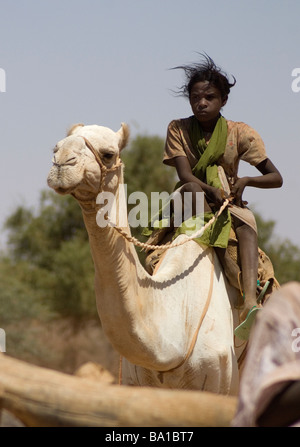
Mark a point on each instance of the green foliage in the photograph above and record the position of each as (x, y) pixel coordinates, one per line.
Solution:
(50, 254)
(284, 255)
(144, 170)
(36, 237)
(265, 232)
(19, 298)
(286, 260)
(73, 280)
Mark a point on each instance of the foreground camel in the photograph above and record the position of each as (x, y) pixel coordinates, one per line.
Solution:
(173, 329)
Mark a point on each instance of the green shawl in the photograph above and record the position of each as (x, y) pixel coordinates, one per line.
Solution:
(206, 170)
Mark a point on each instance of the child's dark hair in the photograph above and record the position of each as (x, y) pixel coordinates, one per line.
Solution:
(205, 71)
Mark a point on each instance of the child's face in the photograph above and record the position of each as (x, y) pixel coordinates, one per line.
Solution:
(206, 101)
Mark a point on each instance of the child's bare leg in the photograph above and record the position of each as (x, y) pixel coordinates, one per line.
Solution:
(248, 250)
(230, 267)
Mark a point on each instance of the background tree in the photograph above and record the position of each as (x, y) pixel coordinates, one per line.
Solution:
(284, 255)
(144, 170)
(53, 245)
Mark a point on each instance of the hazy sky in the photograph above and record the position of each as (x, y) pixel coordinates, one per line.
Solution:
(106, 62)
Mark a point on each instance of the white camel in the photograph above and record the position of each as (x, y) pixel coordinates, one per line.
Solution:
(173, 329)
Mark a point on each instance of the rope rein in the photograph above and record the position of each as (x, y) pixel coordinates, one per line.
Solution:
(144, 245)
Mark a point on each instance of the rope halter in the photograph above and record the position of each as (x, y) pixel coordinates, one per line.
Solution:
(103, 169)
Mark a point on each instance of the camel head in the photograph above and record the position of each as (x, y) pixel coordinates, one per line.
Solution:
(75, 169)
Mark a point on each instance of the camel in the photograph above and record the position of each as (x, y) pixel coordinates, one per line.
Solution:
(173, 329)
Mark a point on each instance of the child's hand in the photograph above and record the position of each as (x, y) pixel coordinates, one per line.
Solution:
(238, 189)
(215, 196)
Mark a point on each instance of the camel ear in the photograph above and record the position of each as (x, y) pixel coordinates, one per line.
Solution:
(123, 134)
(74, 128)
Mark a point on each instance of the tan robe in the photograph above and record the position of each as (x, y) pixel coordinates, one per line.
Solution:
(243, 143)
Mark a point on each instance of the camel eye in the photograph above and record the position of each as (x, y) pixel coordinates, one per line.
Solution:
(108, 156)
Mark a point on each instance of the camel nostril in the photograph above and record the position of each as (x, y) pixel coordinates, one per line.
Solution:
(54, 161)
(69, 162)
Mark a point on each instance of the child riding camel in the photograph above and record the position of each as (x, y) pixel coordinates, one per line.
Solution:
(205, 149)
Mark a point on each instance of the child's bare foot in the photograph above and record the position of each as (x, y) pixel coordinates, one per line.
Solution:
(247, 317)
(248, 305)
